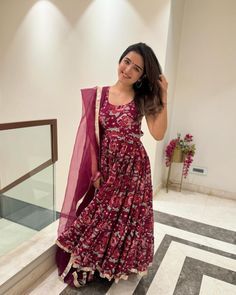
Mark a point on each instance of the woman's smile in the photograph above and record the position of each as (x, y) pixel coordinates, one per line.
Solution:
(125, 75)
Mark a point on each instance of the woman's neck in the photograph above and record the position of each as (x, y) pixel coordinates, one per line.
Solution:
(122, 88)
(120, 94)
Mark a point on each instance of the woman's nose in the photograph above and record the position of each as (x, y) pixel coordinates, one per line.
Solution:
(128, 69)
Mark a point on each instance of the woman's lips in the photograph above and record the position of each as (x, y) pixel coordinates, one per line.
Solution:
(125, 76)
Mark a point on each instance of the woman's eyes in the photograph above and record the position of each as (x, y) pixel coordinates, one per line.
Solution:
(126, 61)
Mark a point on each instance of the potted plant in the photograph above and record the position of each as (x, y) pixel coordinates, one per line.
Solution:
(180, 150)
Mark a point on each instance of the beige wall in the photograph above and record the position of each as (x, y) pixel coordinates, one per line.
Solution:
(51, 49)
(171, 68)
(204, 98)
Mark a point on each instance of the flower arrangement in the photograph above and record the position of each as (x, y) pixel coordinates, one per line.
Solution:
(186, 146)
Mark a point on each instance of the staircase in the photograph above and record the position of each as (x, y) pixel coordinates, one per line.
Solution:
(22, 267)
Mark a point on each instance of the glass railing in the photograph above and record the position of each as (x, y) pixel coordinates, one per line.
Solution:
(28, 151)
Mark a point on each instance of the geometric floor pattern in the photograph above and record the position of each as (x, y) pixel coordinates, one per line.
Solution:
(191, 258)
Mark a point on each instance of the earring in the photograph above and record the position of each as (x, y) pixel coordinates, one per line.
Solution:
(138, 83)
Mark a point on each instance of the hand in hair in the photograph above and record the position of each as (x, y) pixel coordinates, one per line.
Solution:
(157, 124)
(164, 86)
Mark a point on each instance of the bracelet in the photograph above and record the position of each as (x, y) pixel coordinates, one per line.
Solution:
(96, 177)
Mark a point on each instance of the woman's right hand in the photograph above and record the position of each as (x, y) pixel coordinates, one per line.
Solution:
(164, 86)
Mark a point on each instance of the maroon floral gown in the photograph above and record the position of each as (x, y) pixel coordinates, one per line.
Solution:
(114, 233)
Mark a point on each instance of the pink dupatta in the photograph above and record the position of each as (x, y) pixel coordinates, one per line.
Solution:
(85, 159)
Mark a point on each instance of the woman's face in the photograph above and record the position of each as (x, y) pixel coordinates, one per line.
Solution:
(131, 68)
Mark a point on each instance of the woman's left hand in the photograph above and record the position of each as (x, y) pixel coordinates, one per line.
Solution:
(97, 183)
(164, 86)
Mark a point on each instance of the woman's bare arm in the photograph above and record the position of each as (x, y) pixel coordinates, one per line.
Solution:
(157, 125)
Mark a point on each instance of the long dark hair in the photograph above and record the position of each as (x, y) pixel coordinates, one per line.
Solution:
(147, 97)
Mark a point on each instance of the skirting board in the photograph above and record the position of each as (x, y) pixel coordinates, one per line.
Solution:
(157, 189)
(199, 189)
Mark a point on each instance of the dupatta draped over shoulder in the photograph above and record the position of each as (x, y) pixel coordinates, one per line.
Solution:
(85, 159)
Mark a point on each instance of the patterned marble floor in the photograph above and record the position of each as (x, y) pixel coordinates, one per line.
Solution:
(195, 252)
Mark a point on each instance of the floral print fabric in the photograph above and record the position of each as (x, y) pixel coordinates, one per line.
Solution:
(114, 233)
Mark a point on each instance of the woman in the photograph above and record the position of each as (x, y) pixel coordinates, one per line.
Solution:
(106, 223)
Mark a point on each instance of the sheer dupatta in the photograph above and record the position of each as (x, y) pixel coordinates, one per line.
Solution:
(85, 159)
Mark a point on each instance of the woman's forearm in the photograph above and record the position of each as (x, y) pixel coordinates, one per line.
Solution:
(158, 124)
